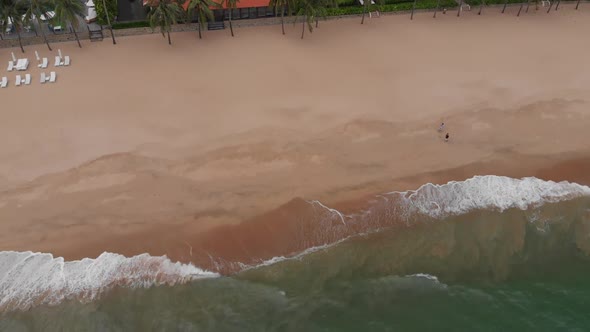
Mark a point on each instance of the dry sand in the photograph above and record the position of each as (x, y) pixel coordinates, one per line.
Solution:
(142, 147)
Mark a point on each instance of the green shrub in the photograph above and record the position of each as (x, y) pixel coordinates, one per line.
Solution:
(490, 2)
(127, 25)
(101, 18)
(420, 4)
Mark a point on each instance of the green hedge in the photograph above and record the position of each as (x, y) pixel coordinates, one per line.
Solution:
(420, 4)
(127, 25)
(493, 2)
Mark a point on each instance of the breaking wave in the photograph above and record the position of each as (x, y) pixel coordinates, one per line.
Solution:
(28, 279)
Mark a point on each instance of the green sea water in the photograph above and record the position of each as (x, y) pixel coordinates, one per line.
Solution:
(483, 271)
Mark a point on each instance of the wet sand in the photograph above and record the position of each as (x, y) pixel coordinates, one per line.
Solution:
(143, 147)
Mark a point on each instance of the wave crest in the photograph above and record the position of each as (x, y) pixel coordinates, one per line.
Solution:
(28, 279)
(488, 192)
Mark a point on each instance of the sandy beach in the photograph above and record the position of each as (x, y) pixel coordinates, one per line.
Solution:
(144, 147)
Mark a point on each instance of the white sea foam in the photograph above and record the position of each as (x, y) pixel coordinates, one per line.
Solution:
(28, 279)
(488, 192)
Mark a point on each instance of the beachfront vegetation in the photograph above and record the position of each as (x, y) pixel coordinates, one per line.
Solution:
(421, 4)
(202, 9)
(162, 14)
(36, 9)
(283, 6)
(12, 11)
(310, 11)
(68, 11)
(366, 7)
(101, 12)
(230, 5)
(128, 25)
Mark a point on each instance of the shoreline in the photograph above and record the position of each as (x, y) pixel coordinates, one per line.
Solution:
(114, 157)
(268, 235)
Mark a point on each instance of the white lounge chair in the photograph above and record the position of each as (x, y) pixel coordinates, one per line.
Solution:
(18, 79)
(4, 82)
(52, 77)
(67, 60)
(27, 79)
(43, 78)
(57, 61)
(44, 64)
(10, 66)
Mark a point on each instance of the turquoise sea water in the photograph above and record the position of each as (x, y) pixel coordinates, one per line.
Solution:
(482, 271)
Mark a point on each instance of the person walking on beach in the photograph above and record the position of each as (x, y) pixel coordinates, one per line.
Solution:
(442, 127)
(447, 137)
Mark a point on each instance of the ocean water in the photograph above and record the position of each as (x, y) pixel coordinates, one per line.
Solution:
(485, 254)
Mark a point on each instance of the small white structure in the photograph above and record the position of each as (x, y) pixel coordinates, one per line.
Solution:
(52, 77)
(4, 82)
(91, 12)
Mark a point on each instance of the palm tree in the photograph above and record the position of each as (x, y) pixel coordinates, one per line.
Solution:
(35, 10)
(103, 10)
(413, 7)
(163, 13)
(284, 5)
(482, 2)
(460, 7)
(504, 7)
(436, 9)
(203, 11)
(310, 10)
(577, 4)
(366, 4)
(557, 4)
(230, 5)
(550, 5)
(12, 11)
(68, 11)
(520, 9)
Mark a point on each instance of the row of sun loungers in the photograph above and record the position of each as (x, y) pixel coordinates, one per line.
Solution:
(26, 80)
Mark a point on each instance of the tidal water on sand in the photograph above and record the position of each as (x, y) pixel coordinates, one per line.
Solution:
(519, 262)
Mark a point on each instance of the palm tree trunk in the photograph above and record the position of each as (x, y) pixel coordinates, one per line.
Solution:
(436, 9)
(528, 4)
(459, 10)
(43, 34)
(317, 22)
(169, 41)
(504, 8)
(199, 25)
(109, 21)
(520, 9)
(303, 27)
(550, 5)
(577, 4)
(20, 42)
(557, 4)
(480, 7)
(231, 28)
(413, 7)
(76, 34)
(283, 19)
(364, 11)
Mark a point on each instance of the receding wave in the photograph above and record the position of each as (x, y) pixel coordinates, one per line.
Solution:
(28, 279)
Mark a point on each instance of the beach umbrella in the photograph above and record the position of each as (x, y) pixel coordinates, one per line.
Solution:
(37, 55)
(59, 52)
(13, 57)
